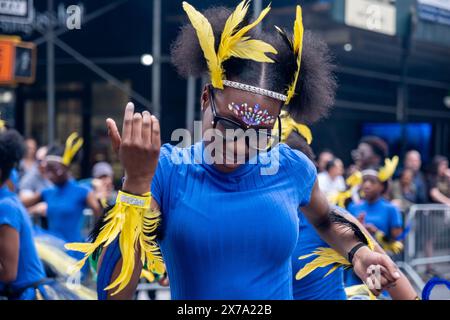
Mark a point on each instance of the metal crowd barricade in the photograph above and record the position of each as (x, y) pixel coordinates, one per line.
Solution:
(428, 241)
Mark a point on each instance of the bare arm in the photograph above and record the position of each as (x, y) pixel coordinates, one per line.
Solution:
(318, 214)
(93, 203)
(9, 253)
(30, 200)
(138, 150)
(437, 196)
(403, 289)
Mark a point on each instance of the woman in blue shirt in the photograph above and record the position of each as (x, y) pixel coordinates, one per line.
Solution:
(229, 215)
(20, 268)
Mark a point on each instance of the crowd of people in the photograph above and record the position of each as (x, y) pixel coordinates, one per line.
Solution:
(412, 183)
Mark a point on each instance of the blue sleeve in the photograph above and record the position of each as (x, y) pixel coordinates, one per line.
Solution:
(305, 174)
(10, 216)
(352, 209)
(44, 194)
(84, 192)
(396, 220)
(159, 191)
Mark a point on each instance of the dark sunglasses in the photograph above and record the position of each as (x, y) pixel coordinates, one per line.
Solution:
(264, 139)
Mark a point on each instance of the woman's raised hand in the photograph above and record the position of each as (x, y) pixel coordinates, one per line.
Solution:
(137, 148)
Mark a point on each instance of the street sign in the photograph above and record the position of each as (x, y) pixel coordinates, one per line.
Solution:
(16, 11)
(17, 61)
(371, 15)
(434, 10)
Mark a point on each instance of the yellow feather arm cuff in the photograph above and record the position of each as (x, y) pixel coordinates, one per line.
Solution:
(394, 247)
(329, 257)
(132, 220)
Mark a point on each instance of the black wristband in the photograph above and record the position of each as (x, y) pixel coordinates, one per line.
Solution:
(352, 252)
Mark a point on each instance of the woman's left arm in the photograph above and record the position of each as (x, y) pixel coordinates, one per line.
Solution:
(363, 259)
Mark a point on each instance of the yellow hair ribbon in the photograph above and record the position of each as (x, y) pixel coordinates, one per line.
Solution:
(297, 44)
(394, 247)
(386, 172)
(73, 145)
(289, 125)
(132, 220)
(233, 42)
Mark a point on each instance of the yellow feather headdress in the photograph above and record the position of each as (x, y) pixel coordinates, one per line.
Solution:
(233, 42)
(296, 45)
(386, 172)
(73, 145)
(288, 125)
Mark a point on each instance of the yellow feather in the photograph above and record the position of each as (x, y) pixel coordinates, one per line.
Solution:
(355, 179)
(386, 172)
(253, 50)
(73, 145)
(298, 49)
(325, 257)
(288, 125)
(132, 225)
(206, 39)
(238, 45)
(232, 23)
(298, 30)
(147, 275)
(394, 247)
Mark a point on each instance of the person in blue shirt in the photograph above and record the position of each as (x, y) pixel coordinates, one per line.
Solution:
(317, 285)
(21, 271)
(374, 211)
(381, 218)
(66, 199)
(228, 214)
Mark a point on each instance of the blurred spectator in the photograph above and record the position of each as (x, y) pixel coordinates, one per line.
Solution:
(403, 192)
(33, 182)
(29, 160)
(413, 162)
(371, 152)
(440, 180)
(374, 211)
(331, 180)
(324, 157)
(103, 183)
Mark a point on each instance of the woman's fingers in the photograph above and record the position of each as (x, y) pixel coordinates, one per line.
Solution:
(114, 134)
(136, 134)
(146, 128)
(156, 133)
(127, 129)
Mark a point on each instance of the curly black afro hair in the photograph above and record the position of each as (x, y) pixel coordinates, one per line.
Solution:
(12, 150)
(315, 91)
